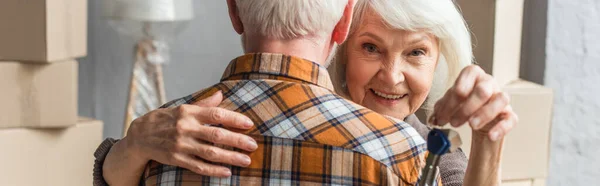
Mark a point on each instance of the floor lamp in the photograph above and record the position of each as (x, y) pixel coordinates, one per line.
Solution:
(153, 24)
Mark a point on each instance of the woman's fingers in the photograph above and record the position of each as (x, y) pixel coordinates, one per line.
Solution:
(228, 118)
(456, 96)
(186, 142)
(467, 78)
(482, 92)
(200, 167)
(215, 154)
(489, 111)
(444, 114)
(172, 136)
(507, 120)
(211, 101)
(223, 136)
(214, 115)
(475, 97)
(205, 111)
(192, 118)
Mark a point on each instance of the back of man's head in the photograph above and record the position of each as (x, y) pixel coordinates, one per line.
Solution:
(290, 19)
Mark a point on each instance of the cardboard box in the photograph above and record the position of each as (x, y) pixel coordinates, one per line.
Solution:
(49, 156)
(539, 182)
(43, 30)
(527, 182)
(497, 26)
(517, 183)
(526, 147)
(38, 95)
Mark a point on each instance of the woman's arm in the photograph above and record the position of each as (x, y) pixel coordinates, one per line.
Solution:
(178, 136)
(484, 161)
(476, 99)
(122, 166)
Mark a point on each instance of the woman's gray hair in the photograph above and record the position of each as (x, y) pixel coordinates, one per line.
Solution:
(438, 17)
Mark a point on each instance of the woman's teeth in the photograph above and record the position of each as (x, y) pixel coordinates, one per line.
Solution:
(387, 96)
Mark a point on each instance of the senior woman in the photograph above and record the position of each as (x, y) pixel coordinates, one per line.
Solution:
(400, 57)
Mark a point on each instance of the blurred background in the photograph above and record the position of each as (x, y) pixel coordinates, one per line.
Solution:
(559, 49)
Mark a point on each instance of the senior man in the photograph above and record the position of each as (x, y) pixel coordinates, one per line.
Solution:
(303, 132)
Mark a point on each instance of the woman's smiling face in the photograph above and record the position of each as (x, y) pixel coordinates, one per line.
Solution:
(390, 71)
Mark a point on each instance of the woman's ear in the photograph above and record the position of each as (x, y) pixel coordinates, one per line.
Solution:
(340, 31)
(235, 16)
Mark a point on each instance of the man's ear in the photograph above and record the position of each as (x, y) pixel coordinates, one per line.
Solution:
(235, 17)
(340, 31)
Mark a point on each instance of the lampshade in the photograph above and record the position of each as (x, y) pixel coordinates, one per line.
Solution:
(149, 10)
(156, 19)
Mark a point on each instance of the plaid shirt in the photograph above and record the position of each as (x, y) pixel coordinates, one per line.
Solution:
(307, 135)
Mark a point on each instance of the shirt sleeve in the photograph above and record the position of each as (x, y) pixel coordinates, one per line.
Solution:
(453, 167)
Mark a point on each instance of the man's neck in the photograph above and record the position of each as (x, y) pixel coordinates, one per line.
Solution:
(309, 49)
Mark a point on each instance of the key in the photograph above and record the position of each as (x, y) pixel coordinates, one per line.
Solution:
(439, 142)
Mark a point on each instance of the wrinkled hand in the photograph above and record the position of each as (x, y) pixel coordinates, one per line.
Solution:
(476, 98)
(178, 136)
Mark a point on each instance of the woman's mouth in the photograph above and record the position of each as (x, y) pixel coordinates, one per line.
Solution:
(388, 96)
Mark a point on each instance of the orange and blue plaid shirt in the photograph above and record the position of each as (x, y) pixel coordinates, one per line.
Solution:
(307, 135)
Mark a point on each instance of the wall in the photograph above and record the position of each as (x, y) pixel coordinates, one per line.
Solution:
(533, 47)
(573, 71)
(200, 54)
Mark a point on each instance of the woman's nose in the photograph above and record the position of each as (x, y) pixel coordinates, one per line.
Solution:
(391, 74)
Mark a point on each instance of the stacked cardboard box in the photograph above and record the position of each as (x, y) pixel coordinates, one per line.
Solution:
(497, 26)
(38, 95)
(43, 31)
(62, 156)
(42, 140)
(529, 182)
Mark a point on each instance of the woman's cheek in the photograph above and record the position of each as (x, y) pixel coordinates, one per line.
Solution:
(421, 88)
(419, 83)
(358, 74)
(353, 82)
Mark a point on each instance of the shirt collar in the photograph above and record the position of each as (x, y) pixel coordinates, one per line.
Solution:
(277, 67)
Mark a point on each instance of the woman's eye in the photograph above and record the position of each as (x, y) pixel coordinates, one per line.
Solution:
(371, 48)
(417, 52)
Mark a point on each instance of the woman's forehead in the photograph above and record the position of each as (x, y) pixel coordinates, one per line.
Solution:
(381, 32)
(372, 23)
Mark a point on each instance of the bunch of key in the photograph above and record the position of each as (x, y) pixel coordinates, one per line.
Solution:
(439, 142)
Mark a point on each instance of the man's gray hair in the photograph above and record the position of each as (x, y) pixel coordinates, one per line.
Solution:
(290, 19)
